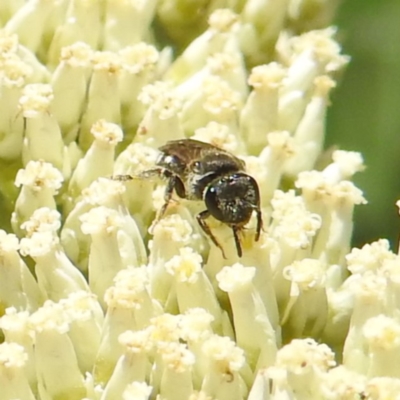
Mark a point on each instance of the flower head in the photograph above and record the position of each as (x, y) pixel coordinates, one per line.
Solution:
(103, 296)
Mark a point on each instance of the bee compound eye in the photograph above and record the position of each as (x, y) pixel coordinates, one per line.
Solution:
(213, 204)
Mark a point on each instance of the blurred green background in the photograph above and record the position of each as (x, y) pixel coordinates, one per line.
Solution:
(365, 111)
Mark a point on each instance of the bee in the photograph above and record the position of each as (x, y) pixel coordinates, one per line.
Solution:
(200, 171)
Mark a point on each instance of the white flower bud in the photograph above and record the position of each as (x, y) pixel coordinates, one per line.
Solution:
(86, 322)
(218, 135)
(333, 241)
(17, 328)
(69, 82)
(230, 67)
(224, 65)
(138, 65)
(224, 361)
(14, 75)
(103, 100)
(83, 19)
(345, 164)
(43, 219)
(310, 132)
(160, 122)
(268, 19)
(13, 381)
(134, 160)
(195, 328)
(214, 101)
(295, 228)
(99, 159)
(57, 276)
(370, 257)
(103, 225)
(176, 380)
(301, 365)
(382, 334)
(40, 182)
(342, 383)
(129, 305)
(306, 310)
(165, 328)
(193, 288)
(177, 232)
(334, 201)
(18, 287)
(260, 113)
(382, 388)
(126, 22)
(271, 162)
(41, 127)
(31, 14)
(110, 193)
(137, 391)
(312, 54)
(75, 243)
(370, 296)
(218, 37)
(55, 354)
(133, 364)
(253, 330)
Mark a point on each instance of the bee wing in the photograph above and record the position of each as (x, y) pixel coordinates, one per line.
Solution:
(190, 151)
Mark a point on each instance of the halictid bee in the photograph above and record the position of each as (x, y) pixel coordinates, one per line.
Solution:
(201, 171)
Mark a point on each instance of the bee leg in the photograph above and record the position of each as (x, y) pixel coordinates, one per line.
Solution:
(172, 183)
(259, 224)
(235, 230)
(150, 173)
(201, 217)
(122, 178)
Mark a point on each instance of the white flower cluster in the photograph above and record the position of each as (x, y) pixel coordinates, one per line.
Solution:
(98, 303)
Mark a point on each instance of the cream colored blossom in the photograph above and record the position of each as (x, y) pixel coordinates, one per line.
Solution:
(39, 183)
(13, 380)
(101, 297)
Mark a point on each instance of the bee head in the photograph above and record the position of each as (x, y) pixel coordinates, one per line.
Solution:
(232, 198)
